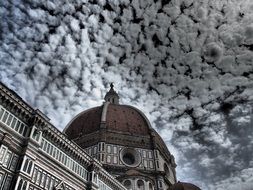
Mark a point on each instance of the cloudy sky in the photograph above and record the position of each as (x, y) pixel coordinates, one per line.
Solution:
(188, 64)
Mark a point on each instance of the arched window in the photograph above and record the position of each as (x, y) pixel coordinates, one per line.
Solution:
(127, 184)
(20, 184)
(25, 165)
(29, 167)
(24, 185)
(150, 186)
(36, 134)
(95, 177)
(140, 184)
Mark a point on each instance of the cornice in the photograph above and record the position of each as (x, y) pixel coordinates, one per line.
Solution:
(110, 180)
(34, 117)
(14, 98)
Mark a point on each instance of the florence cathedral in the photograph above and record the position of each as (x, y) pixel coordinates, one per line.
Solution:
(109, 147)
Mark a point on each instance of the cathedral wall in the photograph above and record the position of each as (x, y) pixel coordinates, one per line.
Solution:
(111, 154)
(35, 155)
(166, 168)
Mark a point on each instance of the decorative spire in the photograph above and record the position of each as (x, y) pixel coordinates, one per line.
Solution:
(112, 96)
(111, 85)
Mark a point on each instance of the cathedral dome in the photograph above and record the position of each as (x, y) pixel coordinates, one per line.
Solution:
(118, 118)
(122, 139)
(114, 123)
(184, 186)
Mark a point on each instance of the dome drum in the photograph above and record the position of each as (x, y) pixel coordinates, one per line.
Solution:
(138, 183)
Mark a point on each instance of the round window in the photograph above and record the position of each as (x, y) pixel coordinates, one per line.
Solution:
(127, 184)
(130, 157)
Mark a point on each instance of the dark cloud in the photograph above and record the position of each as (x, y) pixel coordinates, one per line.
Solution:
(221, 149)
(187, 64)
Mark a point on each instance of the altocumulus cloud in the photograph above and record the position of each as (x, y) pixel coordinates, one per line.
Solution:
(187, 64)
